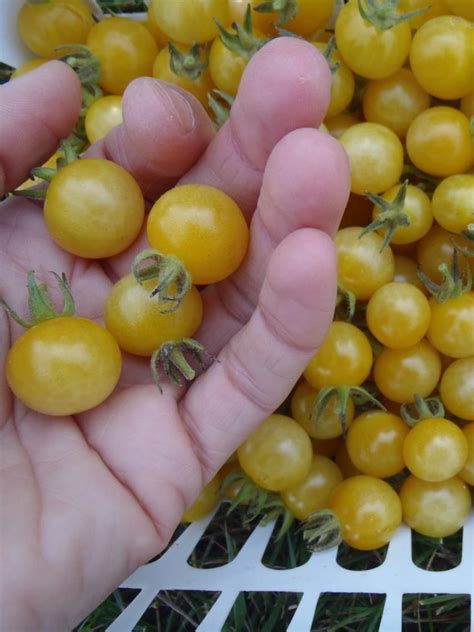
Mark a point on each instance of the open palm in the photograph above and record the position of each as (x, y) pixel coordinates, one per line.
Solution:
(86, 500)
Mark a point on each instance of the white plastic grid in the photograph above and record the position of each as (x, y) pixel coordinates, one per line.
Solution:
(397, 576)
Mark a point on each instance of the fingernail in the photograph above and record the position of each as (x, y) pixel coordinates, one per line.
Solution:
(177, 106)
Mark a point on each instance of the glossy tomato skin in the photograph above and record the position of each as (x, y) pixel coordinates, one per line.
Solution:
(313, 493)
(363, 267)
(457, 388)
(140, 324)
(63, 366)
(435, 509)
(278, 454)
(369, 511)
(102, 116)
(451, 329)
(126, 50)
(208, 498)
(203, 227)
(467, 473)
(368, 51)
(152, 25)
(441, 57)
(435, 449)
(400, 374)
(94, 208)
(344, 358)
(190, 21)
(44, 27)
(453, 202)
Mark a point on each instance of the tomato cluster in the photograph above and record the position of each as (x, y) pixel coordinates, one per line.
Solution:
(380, 426)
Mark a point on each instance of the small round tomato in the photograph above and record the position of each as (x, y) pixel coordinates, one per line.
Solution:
(400, 374)
(395, 308)
(457, 388)
(344, 358)
(432, 10)
(208, 498)
(343, 82)
(45, 26)
(313, 493)
(63, 366)
(103, 115)
(369, 51)
(328, 426)
(439, 141)
(406, 272)
(94, 208)
(441, 57)
(339, 123)
(437, 247)
(363, 266)
(199, 87)
(375, 155)
(375, 443)
(435, 449)
(190, 21)
(278, 454)
(467, 472)
(451, 329)
(369, 511)
(140, 324)
(435, 509)
(152, 25)
(203, 227)
(126, 50)
(453, 202)
(27, 66)
(395, 101)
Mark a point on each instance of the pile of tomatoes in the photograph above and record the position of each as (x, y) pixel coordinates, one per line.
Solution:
(380, 427)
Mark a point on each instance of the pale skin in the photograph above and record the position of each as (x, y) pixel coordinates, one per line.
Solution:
(86, 500)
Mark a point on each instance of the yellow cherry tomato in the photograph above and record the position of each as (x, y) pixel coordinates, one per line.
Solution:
(152, 25)
(103, 115)
(311, 16)
(457, 388)
(190, 21)
(453, 202)
(437, 247)
(343, 82)
(451, 329)
(208, 498)
(467, 472)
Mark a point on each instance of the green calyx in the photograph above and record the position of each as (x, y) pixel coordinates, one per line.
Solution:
(391, 215)
(420, 409)
(173, 281)
(187, 64)
(383, 14)
(322, 530)
(171, 359)
(286, 9)
(243, 42)
(220, 106)
(345, 303)
(455, 281)
(40, 305)
(328, 54)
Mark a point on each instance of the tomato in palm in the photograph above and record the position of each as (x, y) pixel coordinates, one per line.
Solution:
(344, 358)
(63, 366)
(451, 328)
(140, 324)
(369, 511)
(375, 443)
(435, 449)
(203, 227)
(94, 208)
(396, 308)
(190, 21)
(103, 115)
(395, 101)
(457, 388)
(400, 374)
(313, 493)
(439, 141)
(369, 51)
(441, 57)
(467, 472)
(453, 202)
(278, 454)
(363, 266)
(375, 155)
(208, 498)
(435, 509)
(126, 50)
(45, 26)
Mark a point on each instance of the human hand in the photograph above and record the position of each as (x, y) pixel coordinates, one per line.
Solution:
(86, 500)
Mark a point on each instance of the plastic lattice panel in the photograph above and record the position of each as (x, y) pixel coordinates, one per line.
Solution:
(396, 576)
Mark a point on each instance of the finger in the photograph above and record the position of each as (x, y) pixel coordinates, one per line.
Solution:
(263, 361)
(306, 184)
(286, 85)
(37, 111)
(164, 131)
